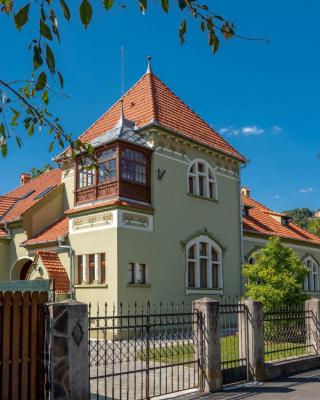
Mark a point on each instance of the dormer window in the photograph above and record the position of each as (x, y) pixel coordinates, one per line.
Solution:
(246, 211)
(285, 220)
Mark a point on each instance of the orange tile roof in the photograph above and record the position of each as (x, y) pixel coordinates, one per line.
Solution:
(55, 270)
(6, 203)
(111, 202)
(51, 233)
(260, 220)
(151, 101)
(35, 187)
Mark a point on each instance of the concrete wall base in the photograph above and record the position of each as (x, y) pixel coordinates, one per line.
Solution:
(291, 367)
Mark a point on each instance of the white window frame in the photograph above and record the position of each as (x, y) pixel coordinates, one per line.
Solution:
(312, 282)
(85, 269)
(136, 274)
(211, 244)
(208, 170)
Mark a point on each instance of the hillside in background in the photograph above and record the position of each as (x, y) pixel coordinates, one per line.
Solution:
(305, 218)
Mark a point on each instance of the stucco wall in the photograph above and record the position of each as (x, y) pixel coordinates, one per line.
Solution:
(4, 251)
(43, 213)
(177, 217)
(101, 241)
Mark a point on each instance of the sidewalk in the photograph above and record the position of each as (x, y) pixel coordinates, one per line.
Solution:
(304, 386)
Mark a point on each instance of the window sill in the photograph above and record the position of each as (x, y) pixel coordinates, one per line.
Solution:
(139, 285)
(91, 286)
(204, 291)
(202, 197)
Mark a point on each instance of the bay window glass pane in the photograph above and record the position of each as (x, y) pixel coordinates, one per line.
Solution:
(191, 274)
(203, 273)
(107, 170)
(106, 155)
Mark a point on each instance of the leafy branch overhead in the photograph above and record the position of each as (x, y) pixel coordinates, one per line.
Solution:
(24, 102)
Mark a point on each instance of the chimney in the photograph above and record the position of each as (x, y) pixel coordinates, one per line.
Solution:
(245, 192)
(25, 178)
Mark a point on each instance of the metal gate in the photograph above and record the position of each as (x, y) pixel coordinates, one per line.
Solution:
(234, 341)
(142, 352)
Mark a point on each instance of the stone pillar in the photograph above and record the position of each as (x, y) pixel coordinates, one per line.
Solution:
(312, 308)
(251, 338)
(85, 267)
(68, 351)
(208, 335)
(97, 268)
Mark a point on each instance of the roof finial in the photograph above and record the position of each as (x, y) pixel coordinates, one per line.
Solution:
(149, 70)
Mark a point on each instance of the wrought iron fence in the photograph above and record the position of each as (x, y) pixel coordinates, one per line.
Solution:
(142, 352)
(286, 332)
(233, 333)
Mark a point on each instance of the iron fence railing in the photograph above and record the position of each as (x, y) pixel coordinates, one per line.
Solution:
(233, 333)
(142, 352)
(286, 332)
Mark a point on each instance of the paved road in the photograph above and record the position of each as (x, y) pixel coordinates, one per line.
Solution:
(304, 386)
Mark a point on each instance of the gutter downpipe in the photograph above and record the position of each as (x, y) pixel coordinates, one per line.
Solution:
(241, 233)
(60, 241)
(5, 225)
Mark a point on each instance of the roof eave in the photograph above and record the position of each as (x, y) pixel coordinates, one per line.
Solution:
(239, 158)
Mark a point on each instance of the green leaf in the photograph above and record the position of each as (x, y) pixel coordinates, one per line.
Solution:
(45, 30)
(65, 9)
(107, 4)
(21, 17)
(85, 13)
(45, 96)
(182, 4)
(51, 146)
(182, 31)
(165, 5)
(42, 81)
(31, 130)
(60, 76)
(4, 149)
(50, 59)
(37, 57)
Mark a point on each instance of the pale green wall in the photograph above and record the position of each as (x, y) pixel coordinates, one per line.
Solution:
(178, 216)
(101, 241)
(4, 249)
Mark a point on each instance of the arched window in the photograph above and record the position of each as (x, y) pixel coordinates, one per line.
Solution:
(201, 180)
(204, 264)
(311, 282)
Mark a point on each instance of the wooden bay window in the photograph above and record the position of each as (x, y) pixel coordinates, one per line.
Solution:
(122, 170)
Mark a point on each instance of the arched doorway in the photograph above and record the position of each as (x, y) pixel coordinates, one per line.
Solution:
(20, 269)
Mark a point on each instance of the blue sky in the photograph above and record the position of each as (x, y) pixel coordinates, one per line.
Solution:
(264, 98)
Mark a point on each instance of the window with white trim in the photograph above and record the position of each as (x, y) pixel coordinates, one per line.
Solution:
(91, 269)
(311, 283)
(201, 180)
(204, 264)
(138, 274)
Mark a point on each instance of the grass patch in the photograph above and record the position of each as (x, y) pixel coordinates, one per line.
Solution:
(185, 352)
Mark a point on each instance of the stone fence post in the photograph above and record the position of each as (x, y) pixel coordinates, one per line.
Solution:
(68, 351)
(251, 338)
(312, 308)
(208, 336)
